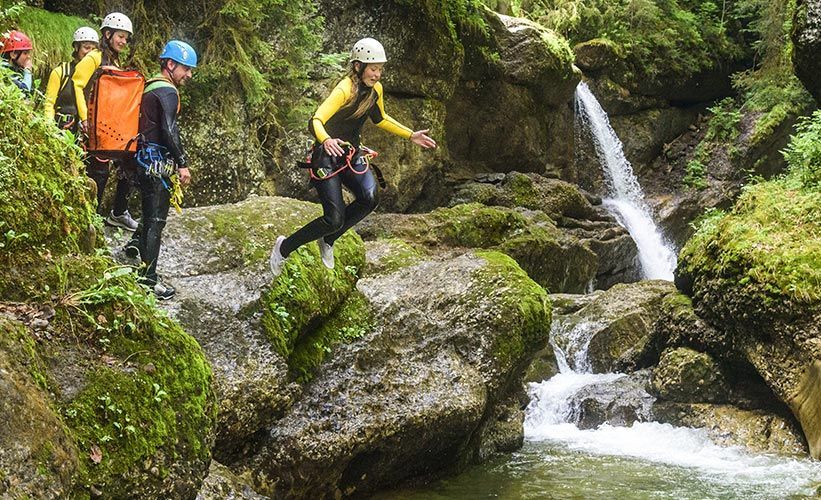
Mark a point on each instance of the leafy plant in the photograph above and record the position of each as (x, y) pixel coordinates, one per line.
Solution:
(803, 153)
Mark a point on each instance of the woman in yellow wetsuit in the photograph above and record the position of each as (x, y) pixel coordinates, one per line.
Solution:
(338, 121)
(116, 29)
(60, 102)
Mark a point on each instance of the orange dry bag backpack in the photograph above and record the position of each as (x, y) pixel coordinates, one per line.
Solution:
(114, 113)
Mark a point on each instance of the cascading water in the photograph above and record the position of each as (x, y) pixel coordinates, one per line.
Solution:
(549, 417)
(625, 197)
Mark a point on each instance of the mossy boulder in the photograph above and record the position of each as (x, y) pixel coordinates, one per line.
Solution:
(688, 376)
(131, 390)
(384, 256)
(556, 261)
(45, 204)
(38, 457)
(613, 332)
(259, 333)
(573, 212)
(128, 388)
(806, 38)
(754, 274)
(378, 411)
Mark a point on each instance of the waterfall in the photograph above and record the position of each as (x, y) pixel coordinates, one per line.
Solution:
(625, 198)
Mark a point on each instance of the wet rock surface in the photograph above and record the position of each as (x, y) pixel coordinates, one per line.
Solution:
(416, 395)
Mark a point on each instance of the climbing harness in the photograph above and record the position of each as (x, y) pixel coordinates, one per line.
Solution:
(157, 162)
(323, 166)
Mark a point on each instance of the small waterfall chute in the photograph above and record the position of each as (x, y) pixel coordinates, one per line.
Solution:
(625, 199)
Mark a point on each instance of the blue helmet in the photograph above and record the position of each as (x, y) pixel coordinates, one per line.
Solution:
(180, 52)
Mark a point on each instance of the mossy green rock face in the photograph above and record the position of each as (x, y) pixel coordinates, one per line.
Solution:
(554, 260)
(806, 37)
(38, 458)
(755, 274)
(573, 213)
(257, 331)
(45, 209)
(450, 341)
(688, 376)
(619, 325)
(127, 393)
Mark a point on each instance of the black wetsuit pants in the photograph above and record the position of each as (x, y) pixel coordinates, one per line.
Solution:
(337, 217)
(99, 171)
(156, 201)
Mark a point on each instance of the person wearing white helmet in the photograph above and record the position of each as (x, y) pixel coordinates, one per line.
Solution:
(116, 29)
(336, 160)
(60, 102)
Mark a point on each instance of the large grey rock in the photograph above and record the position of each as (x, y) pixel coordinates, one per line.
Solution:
(419, 394)
(619, 403)
(217, 257)
(685, 375)
(614, 332)
(806, 38)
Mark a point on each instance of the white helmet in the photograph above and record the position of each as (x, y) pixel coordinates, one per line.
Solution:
(368, 50)
(117, 21)
(86, 34)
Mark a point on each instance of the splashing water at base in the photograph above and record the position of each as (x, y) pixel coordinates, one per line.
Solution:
(626, 198)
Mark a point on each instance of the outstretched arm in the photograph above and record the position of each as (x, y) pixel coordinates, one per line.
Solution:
(389, 124)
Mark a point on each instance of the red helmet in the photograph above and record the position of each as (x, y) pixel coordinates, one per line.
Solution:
(15, 40)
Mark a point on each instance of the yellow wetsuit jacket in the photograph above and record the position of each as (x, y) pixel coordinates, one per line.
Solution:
(82, 76)
(331, 119)
(58, 97)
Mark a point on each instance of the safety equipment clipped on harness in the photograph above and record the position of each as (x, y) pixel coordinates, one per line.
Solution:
(323, 166)
(157, 162)
(114, 113)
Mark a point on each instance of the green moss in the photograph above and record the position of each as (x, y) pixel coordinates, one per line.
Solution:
(152, 403)
(528, 323)
(16, 341)
(476, 226)
(399, 254)
(45, 207)
(351, 321)
(306, 292)
(770, 244)
(656, 38)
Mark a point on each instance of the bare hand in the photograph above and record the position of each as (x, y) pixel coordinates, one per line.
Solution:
(420, 138)
(185, 176)
(332, 147)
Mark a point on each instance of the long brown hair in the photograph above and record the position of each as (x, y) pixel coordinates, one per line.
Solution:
(356, 78)
(109, 56)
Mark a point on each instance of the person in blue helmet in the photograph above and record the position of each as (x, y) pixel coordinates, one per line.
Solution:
(160, 155)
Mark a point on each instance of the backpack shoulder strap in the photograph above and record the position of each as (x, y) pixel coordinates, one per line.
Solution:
(161, 82)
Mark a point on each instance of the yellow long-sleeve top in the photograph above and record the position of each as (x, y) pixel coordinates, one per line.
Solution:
(52, 89)
(333, 118)
(82, 75)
